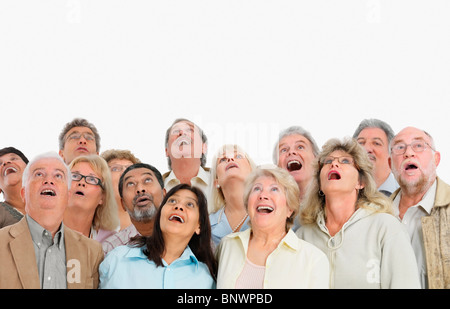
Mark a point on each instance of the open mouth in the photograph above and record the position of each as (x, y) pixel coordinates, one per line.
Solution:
(80, 193)
(264, 209)
(333, 175)
(231, 165)
(143, 200)
(48, 193)
(294, 165)
(9, 170)
(176, 218)
(411, 166)
(181, 141)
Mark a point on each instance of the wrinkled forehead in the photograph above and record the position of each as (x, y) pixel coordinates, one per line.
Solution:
(410, 134)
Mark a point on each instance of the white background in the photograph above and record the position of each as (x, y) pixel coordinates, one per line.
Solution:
(242, 70)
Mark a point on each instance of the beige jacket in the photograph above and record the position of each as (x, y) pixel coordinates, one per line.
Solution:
(18, 268)
(436, 236)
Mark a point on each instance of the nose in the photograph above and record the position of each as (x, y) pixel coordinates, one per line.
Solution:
(82, 183)
(140, 188)
(230, 159)
(409, 152)
(335, 162)
(179, 207)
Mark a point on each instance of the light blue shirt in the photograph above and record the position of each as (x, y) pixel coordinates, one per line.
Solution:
(129, 268)
(220, 226)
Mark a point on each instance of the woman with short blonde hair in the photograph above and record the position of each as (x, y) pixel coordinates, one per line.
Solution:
(92, 208)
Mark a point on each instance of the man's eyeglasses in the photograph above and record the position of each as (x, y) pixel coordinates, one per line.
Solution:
(76, 136)
(417, 146)
(92, 180)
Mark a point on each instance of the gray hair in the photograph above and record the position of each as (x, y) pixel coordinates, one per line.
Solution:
(47, 155)
(375, 123)
(293, 130)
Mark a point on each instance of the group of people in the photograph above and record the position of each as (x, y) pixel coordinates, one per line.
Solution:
(361, 212)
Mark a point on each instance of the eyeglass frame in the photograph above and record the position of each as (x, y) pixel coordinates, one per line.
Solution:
(415, 142)
(98, 183)
(322, 164)
(87, 136)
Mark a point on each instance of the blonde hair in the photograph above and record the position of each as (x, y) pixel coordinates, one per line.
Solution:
(105, 216)
(119, 154)
(216, 197)
(284, 179)
(368, 197)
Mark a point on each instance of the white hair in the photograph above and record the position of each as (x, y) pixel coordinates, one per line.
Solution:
(47, 155)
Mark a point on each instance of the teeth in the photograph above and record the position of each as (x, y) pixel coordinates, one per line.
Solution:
(48, 192)
(294, 165)
(264, 209)
(10, 170)
(175, 217)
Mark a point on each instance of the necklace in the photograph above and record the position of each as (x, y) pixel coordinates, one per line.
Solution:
(239, 224)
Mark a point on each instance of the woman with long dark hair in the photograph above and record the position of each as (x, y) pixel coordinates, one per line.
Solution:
(177, 255)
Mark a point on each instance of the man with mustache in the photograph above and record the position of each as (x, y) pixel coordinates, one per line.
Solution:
(12, 165)
(186, 147)
(422, 203)
(141, 189)
(375, 135)
(78, 137)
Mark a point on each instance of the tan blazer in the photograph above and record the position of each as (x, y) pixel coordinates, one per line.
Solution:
(18, 269)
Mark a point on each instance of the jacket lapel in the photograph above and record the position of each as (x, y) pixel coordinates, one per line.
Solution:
(22, 250)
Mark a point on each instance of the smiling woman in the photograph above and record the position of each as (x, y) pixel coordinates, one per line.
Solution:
(176, 255)
(271, 197)
(12, 165)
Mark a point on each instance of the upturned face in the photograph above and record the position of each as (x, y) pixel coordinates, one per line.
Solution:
(141, 194)
(376, 143)
(413, 168)
(78, 141)
(84, 192)
(46, 192)
(339, 174)
(11, 170)
(180, 215)
(185, 141)
(295, 154)
(267, 205)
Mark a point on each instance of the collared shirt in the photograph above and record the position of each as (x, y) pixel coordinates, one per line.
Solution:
(294, 264)
(119, 239)
(201, 180)
(412, 221)
(50, 255)
(220, 226)
(389, 185)
(129, 268)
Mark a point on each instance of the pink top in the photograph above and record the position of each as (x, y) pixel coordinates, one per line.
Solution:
(251, 277)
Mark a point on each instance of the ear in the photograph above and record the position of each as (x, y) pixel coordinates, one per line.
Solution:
(437, 158)
(197, 230)
(22, 194)
(204, 148)
(390, 162)
(61, 154)
(121, 204)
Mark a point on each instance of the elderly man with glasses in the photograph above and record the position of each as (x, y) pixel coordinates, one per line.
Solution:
(422, 203)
